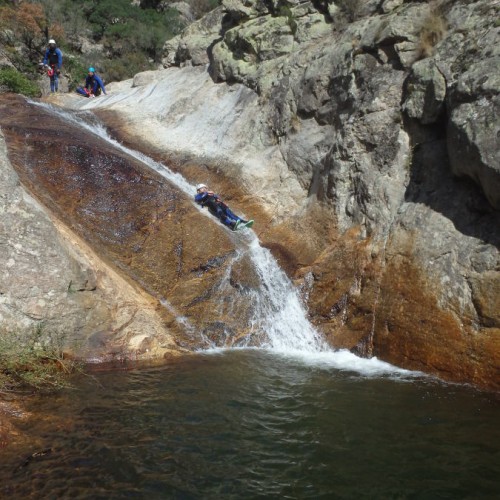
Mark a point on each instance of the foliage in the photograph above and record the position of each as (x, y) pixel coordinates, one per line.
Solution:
(26, 21)
(117, 69)
(30, 24)
(15, 81)
(34, 359)
(126, 29)
(129, 38)
(74, 68)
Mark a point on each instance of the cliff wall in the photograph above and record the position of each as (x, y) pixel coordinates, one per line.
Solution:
(363, 137)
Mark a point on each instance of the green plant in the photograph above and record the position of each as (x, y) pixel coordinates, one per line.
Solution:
(34, 359)
(18, 83)
(76, 70)
(124, 67)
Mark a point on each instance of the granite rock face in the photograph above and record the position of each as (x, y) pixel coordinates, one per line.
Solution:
(52, 281)
(363, 137)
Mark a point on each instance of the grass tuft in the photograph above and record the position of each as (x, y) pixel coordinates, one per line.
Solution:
(14, 81)
(433, 31)
(34, 360)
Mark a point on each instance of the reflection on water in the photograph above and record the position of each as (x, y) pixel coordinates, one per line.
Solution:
(250, 424)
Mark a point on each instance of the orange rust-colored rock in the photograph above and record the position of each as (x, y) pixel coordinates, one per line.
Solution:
(342, 292)
(412, 330)
(131, 216)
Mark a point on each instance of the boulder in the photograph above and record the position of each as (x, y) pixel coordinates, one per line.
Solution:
(192, 45)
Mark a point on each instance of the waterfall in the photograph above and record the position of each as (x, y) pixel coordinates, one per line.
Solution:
(278, 317)
(277, 309)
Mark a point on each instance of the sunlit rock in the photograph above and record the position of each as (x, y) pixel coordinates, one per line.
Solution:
(332, 135)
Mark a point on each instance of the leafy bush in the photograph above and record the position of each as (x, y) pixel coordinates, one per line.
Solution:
(14, 81)
(76, 70)
(122, 68)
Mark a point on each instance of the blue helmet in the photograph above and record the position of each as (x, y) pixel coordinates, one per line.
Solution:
(91, 70)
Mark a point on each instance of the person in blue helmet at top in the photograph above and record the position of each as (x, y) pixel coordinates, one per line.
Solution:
(53, 61)
(217, 207)
(93, 85)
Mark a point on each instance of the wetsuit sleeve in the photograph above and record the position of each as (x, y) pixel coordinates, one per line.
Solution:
(101, 84)
(59, 58)
(200, 198)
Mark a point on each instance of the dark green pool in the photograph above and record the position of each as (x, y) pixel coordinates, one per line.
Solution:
(251, 424)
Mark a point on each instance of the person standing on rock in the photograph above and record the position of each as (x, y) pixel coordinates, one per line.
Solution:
(53, 61)
(219, 209)
(93, 85)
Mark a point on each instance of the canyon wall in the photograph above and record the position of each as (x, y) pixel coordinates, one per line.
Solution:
(363, 138)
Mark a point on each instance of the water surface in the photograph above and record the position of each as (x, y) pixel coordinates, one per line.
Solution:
(253, 424)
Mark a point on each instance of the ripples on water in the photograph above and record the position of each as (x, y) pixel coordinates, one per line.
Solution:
(251, 424)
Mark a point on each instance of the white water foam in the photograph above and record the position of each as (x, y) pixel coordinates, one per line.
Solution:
(277, 308)
(278, 314)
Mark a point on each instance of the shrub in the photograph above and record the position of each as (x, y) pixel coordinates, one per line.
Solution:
(76, 70)
(433, 30)
(34, 359)
(28, 21)
(122, 68)
(16, 82)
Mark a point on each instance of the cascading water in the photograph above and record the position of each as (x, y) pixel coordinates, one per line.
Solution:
(278, 318)
(277, 310)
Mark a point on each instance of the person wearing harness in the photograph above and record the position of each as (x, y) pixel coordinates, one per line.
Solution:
(218, 208)
(53, 61)
(93, 85)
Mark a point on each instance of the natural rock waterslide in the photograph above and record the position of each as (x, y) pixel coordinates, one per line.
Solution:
(139, 223)
(346, 153)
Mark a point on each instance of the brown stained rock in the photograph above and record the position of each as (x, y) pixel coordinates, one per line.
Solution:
(412, 330)
(131, 216)
(342, 292)
(10, 413)
(486, 297)
(374, 303)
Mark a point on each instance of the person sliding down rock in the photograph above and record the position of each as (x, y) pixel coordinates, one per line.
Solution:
(217, 207)
(93, 85)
